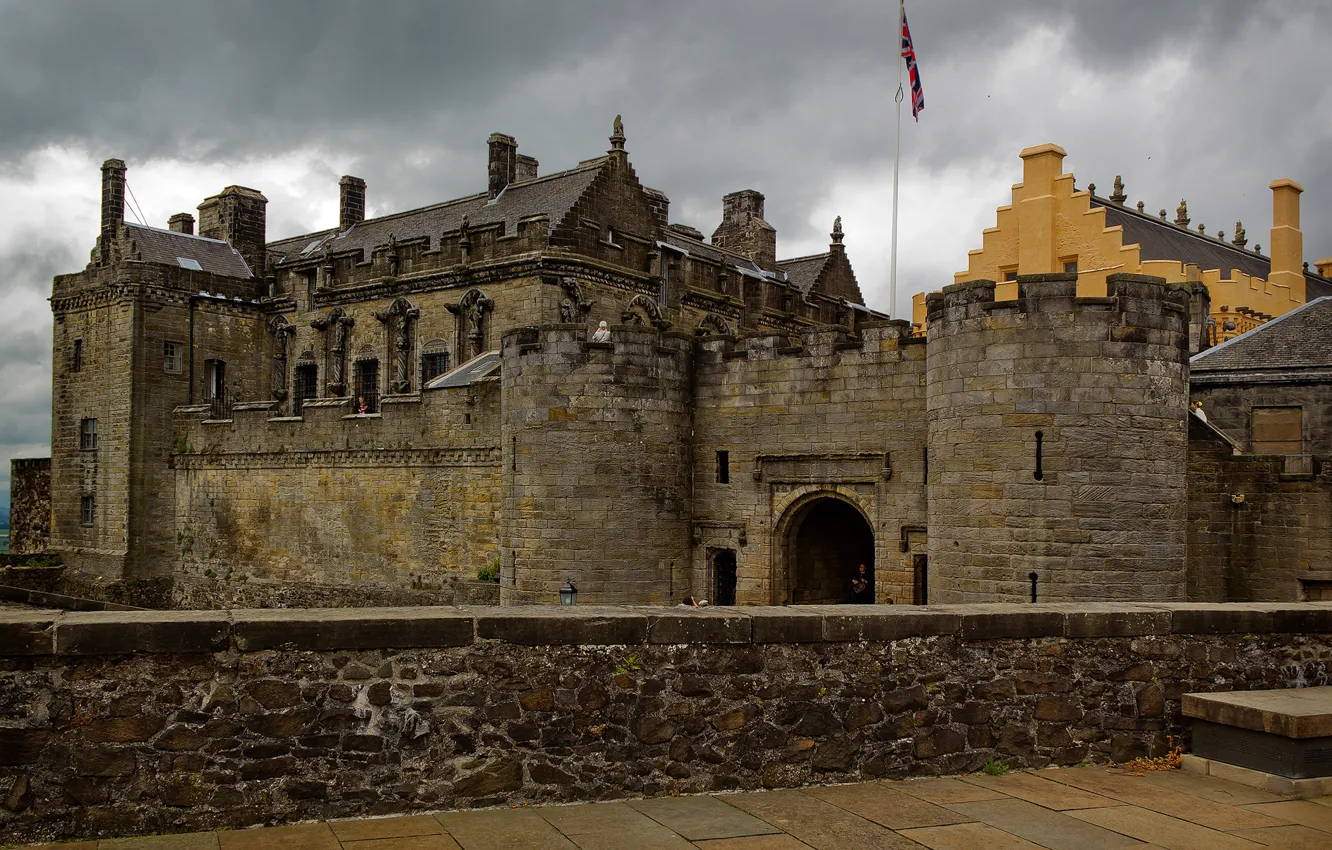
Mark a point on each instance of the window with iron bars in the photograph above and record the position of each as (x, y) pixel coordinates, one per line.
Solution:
(366, 389)
(433, 365)
(307, 384)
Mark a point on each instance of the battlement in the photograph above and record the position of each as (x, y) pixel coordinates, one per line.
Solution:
(873, 338)
(1057, 294)
(573, 343)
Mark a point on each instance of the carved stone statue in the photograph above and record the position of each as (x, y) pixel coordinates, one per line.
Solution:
(1240, 239)
(327, 265)
(339, 325)
(1182, 213)
(471, 311)
(282, 332)
(1118, 195)
(465, 241)
(393, 256)
(399, 317)
(574, 307)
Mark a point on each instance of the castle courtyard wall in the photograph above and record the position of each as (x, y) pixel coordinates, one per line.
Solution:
(29, 505)
(120, 723)
(804, 417)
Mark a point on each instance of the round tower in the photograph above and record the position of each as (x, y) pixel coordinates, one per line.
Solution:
(1058, 441)
(596, 465)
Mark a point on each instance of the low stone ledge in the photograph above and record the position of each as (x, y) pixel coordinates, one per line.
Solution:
(314, 629)
(27, 633)
(699, 625)
(351, 628)
(550, 625)
(130, 632)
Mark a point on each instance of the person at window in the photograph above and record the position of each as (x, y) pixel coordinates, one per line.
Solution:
(1196, 407)
(860, 587)
(361, 405)
(602, 333)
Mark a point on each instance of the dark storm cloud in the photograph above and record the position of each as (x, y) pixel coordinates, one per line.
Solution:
(1206, 100)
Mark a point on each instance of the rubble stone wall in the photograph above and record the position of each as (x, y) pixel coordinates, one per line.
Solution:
(115, 723)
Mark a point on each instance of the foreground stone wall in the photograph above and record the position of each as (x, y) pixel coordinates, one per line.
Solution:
(138, 722)
(29, 505)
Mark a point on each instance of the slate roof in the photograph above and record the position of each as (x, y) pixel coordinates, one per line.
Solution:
(553, 195)
(803, 272)
(481, 366)
(697, 247)
(1161, 240)
(1300, 339)
(169, 247)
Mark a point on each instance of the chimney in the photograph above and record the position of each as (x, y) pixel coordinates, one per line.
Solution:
(1287, 247)
(743, 229)
(526, 168)
(503, 162)
(237, 214)
(113, 205)
(351, 202)
(181, 223)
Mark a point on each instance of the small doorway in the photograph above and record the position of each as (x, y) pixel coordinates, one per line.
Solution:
(920, 579)
(723, 568)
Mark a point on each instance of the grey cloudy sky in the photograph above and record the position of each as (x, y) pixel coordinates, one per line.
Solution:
(1209, 101)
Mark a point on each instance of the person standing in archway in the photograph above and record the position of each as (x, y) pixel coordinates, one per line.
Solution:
(860, 587)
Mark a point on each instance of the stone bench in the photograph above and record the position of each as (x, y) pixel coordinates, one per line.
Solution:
(1279, 740)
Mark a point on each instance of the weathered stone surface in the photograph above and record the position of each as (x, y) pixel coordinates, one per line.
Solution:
(27, 632)
(117, 632)
(397, 628)
(586, 626)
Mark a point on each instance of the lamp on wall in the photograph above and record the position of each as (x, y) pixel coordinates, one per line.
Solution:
(568, 594)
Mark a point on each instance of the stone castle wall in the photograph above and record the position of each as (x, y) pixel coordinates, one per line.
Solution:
(405, 500)
(29, 505)
(121, 723)
(1257, 531)
(1057, 440)
(804, 417)
(596, 441)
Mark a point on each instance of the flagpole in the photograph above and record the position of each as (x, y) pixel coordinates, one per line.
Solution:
(897, 161)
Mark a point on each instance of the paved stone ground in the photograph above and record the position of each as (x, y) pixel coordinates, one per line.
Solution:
(1066, 809)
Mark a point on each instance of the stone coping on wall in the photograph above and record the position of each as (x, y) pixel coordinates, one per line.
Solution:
(319, 629)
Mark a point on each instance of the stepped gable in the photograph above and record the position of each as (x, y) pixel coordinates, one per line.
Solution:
(553, 196)
(1162, 240)
(1295, 340)
(215, 256)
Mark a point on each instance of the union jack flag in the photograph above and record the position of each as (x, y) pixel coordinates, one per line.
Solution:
(909, 54)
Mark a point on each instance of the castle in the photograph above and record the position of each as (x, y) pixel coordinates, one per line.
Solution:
(375, 412)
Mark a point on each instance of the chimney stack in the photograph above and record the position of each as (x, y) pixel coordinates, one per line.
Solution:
(181, 223)
(113, 205)
(1287, 246)
(503, 162)
(743, 228)
(351, 202)
(526, 168)
(238, 215)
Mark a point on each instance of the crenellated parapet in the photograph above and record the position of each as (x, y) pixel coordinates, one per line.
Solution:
(1057, 440)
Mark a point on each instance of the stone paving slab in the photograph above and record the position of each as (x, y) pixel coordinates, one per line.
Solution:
(1091, 808)
(1048, 828)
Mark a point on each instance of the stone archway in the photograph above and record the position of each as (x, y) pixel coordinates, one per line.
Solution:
(822, 539)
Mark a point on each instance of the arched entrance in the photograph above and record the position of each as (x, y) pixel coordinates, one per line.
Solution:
(828, 538)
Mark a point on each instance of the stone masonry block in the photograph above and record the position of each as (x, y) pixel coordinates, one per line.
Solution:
(127, 632)
(351, 628)
(546, 625)
(27, 632)
(698, 625)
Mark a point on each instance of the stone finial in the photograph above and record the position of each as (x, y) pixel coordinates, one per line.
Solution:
(1257, 249)
(1140, 206)
(1091, 187)
(617, 135)
(1162, 214)
(1182, 213)
(1221, 235)
(1240, 239)
(1202, 230)
(1118, 195)
(1306, 266)
(837, 230)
